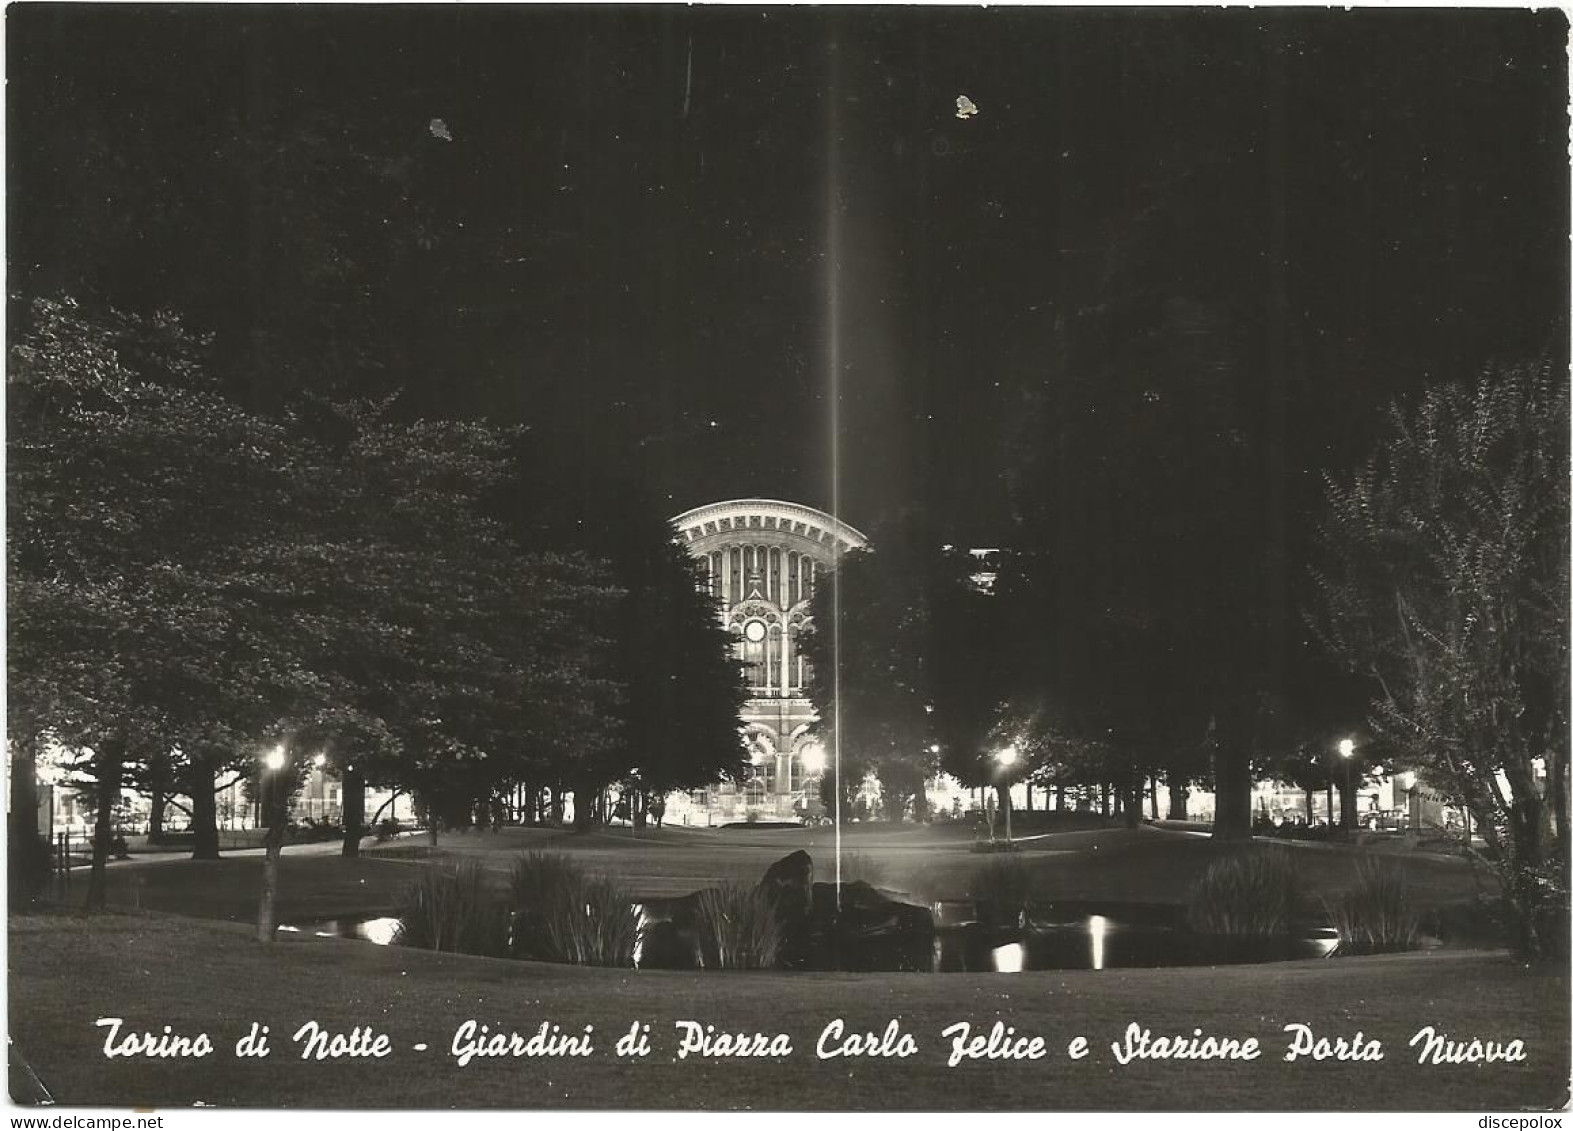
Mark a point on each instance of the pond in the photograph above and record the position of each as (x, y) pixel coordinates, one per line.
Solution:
(969, 938)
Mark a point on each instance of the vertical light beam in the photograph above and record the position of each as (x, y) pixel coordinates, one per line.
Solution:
(833, 362)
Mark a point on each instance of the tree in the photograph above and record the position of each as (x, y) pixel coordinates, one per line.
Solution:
(683, 689)
(673, 721)
(897, 624)
(134, 496)
(1444, 582)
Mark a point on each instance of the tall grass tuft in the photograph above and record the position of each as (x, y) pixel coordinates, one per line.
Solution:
(563, 914)
(1249, 893)
(538, 880)
(737, 927)
(542, 886)
(453, 910)
(591, 921)
(1004, 883)
(1378, 913)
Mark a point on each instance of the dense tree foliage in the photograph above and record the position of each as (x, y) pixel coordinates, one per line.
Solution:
(194, 584)
(913, 689)
(676, 714)
(136, 508)
(1445, 584)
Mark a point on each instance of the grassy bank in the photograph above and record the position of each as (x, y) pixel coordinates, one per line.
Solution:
(155, 970)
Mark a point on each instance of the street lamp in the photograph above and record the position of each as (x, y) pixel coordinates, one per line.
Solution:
(1006, 759)
(1346, 748)
(813, 759)
(272, 763)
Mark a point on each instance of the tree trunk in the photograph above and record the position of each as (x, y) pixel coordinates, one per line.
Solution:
(1179, 797)
(204, 811)
(29, 853)
(158, 790)
(1232, 780)
(108, 765)
(1152, 795)
(1131, 800)
(1330, 809)
(277, 786)
(532, 805)
(1029, 797)
(267, 904)
(24, 790)
(1103, 799)
(1059, 798)
(353, 805)
(1349, 798)
(1557, 800)
(1310, 811)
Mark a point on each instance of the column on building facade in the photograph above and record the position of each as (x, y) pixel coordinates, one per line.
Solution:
(771, 660)
(726, 578)
(786, 659)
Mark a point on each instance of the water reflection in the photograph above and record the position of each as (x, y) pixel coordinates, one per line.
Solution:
(1010, 958)
(1096, 926)
(1066, 936)
(381, 929)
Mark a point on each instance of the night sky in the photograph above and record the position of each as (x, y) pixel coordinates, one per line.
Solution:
(635, 213)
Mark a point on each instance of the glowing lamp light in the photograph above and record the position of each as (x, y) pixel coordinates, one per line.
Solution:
(814, 758)
(1007, 757)
(320, 761)
(1097, 928)
(934, 749)
(274, 760)
(1346, 747)
(1010, 958)
(1409, 780)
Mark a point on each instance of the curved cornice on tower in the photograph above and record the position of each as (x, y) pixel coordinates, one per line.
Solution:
(768, 515)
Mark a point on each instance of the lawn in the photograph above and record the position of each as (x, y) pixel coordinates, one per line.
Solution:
(154, 969)
(178, 953)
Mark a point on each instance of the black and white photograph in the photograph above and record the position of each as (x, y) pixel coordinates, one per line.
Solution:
(721, 558)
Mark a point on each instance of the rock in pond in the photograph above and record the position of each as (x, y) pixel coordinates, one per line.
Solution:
(789, 885)
(869, 931)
